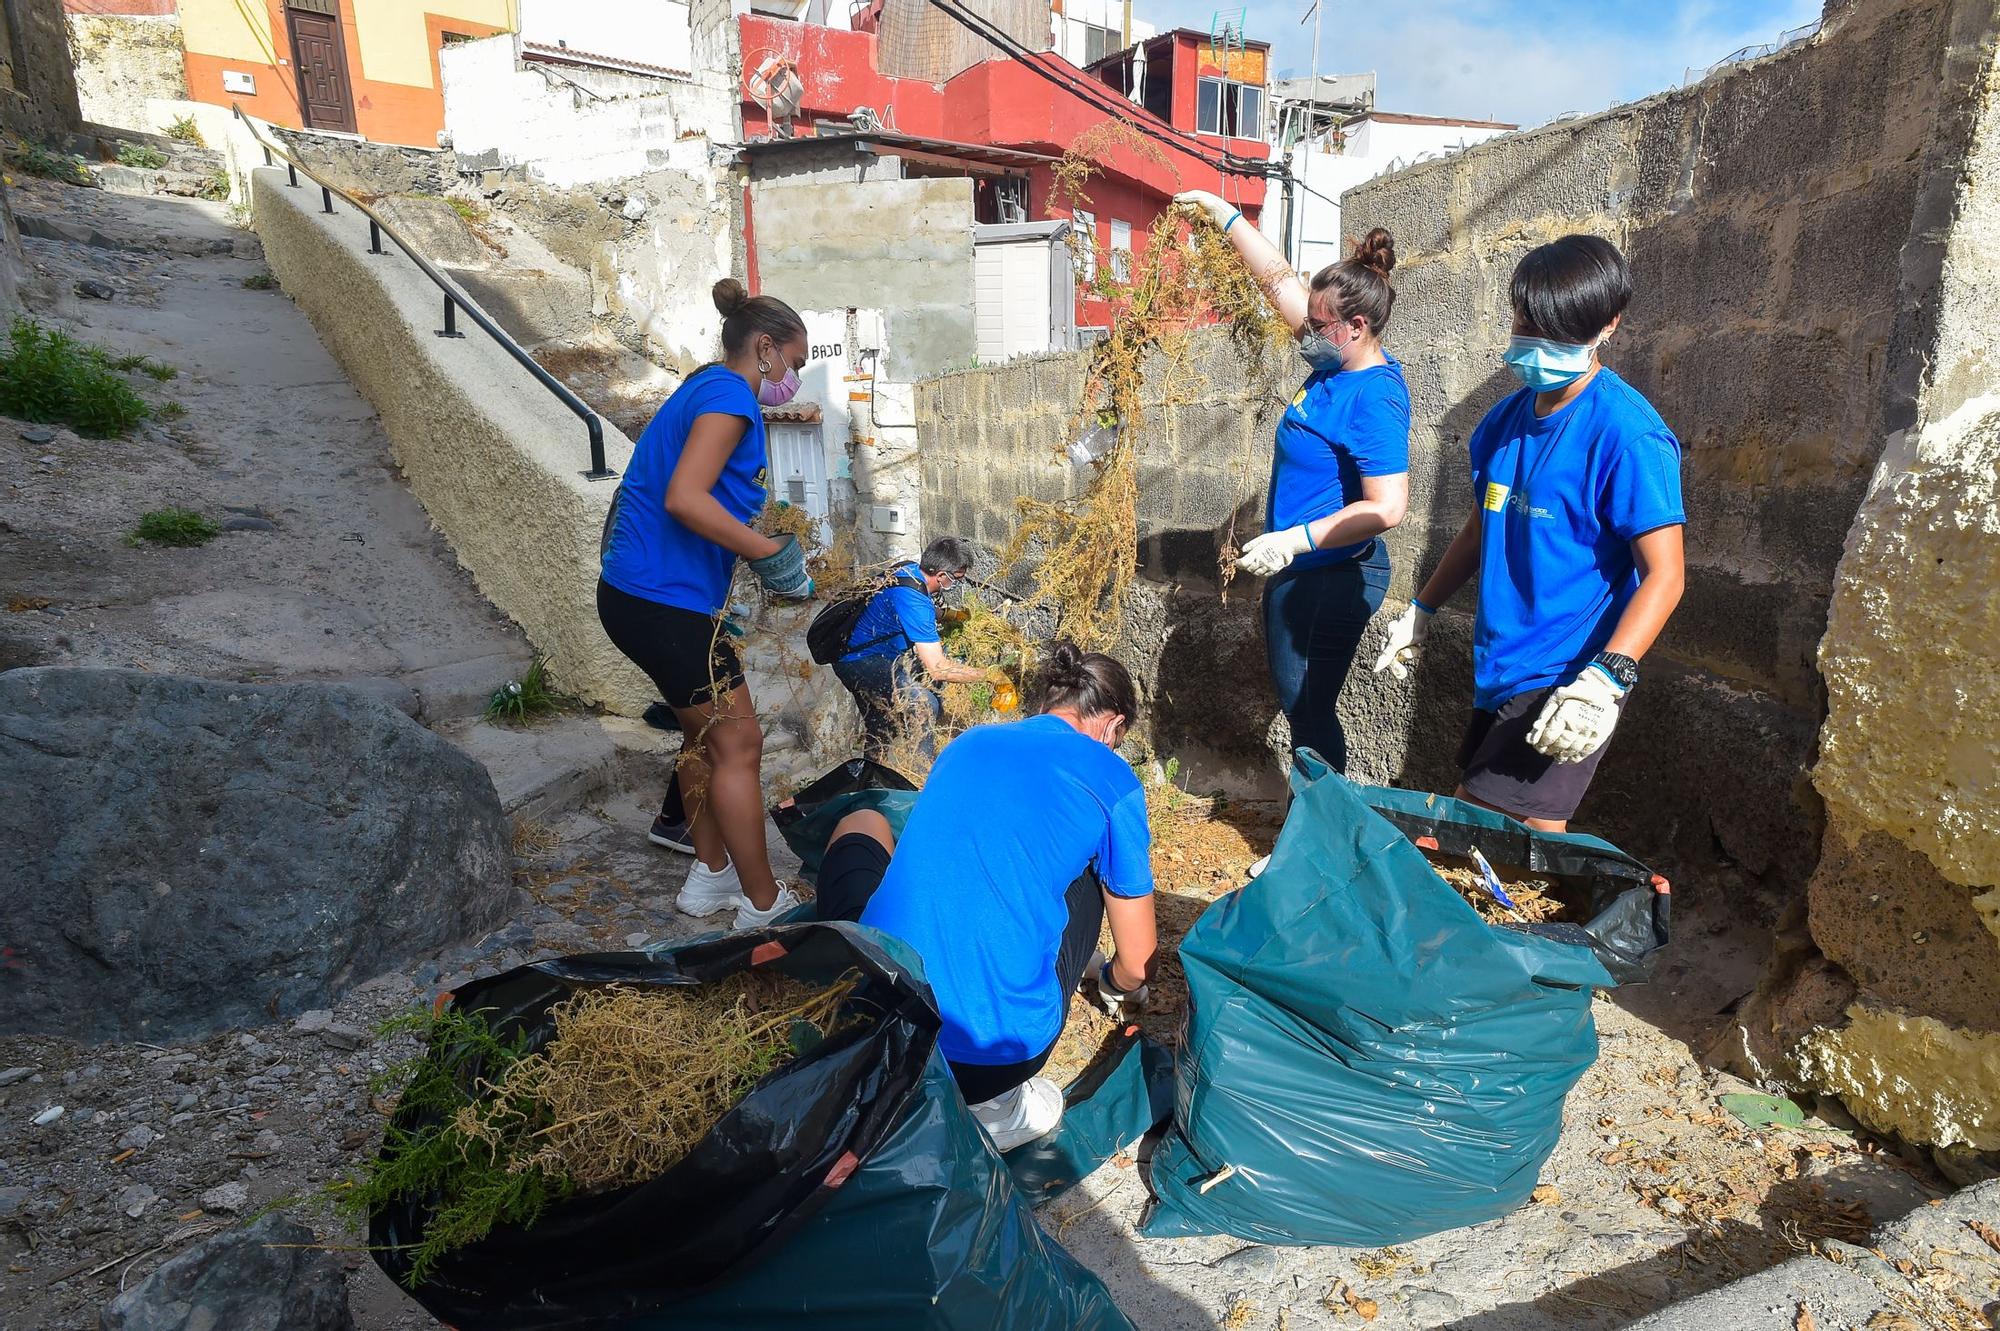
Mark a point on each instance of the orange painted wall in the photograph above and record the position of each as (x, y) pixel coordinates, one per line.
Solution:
(383, 112)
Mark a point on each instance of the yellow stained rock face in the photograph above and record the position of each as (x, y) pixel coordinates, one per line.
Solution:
(1910, 1075)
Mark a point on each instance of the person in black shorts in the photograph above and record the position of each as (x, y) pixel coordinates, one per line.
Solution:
(1575, 534)
(677, 526)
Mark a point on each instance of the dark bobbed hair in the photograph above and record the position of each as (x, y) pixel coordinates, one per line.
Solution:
(1569, 289)
(947, 554)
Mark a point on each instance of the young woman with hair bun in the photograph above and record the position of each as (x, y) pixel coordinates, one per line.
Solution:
(988, 883)
(1339, 473)
(678, 524)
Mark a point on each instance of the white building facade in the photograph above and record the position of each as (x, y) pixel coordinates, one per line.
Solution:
(1334, 161)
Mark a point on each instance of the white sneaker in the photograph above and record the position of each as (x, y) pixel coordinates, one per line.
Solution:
(707, 890)
(749, 917)
(1258, 868)
(1030, 1110)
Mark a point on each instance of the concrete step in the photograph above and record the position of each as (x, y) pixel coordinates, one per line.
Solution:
(546, 768)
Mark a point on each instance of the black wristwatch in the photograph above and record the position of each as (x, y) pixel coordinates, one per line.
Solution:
(1621, 668)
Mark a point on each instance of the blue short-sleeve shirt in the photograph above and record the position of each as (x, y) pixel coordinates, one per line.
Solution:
(647, 553)
(897, 618)
(1342, 425)
(1561, 498)
(1010, 815)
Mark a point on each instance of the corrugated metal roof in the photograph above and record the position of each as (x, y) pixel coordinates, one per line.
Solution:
(543, 51)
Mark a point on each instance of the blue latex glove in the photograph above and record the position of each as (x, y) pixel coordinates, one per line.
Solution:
(783, 572)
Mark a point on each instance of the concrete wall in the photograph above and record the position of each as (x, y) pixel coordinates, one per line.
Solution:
(494, 458)
(901, 246)
(37, 79)
(121, 61)
(623, 177)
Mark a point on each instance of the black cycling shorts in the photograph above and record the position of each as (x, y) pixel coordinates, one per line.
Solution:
(687, 655)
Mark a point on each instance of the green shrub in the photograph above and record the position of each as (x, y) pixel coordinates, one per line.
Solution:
(36, 160)
(214, 187)
(142, 155)
(48, 376)
(472, 213)
(174, 526)
(261, 282)
(519, 701)
(186, 131)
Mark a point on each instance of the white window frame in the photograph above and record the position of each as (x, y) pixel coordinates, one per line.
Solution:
(1086, 226)
(1121, 250)
(1230, 88)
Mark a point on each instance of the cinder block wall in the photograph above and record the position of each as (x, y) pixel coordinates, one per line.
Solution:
(1773, 222)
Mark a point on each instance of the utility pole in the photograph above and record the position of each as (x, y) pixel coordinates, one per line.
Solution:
(1125, 36)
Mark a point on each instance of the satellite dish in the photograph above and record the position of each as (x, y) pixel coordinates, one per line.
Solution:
(775, 85)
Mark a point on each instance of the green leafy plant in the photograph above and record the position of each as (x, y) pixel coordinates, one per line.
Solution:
(214, 186)
(261, 282)
(170, 411)
(186, 131)
(519, 701)
(142, 155)
(471, 212)
(424, 1153)
(35, 159)
(46, 375)
(174, 526)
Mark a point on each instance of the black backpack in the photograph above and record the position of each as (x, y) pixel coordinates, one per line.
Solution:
(827, 636)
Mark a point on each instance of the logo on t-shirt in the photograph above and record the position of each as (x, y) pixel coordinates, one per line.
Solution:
(1496, 497)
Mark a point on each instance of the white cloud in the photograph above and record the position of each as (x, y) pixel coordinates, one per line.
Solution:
(1513, 61)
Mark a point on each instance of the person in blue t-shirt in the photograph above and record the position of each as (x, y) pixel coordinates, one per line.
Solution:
(1028, 835)
(677, 526)
(1575, 534)
(901, 622)
(1339, 474)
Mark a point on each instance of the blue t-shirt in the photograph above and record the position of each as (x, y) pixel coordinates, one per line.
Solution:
(1560, 500)
(900, 616)
(1010, 815)
(646, 552)
(1342, 425)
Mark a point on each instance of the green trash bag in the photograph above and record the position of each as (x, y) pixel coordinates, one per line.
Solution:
(1366, 1060)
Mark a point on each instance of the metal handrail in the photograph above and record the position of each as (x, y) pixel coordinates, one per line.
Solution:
(455, 298)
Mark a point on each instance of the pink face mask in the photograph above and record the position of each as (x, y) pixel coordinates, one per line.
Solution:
(777, 392)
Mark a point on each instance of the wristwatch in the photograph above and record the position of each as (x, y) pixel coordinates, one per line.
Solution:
(1621, 668)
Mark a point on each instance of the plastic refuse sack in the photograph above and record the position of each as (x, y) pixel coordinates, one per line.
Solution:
(1366, 1060)
(857, 1149)
(1113, 1103)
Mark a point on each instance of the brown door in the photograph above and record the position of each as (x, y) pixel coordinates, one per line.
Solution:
(321, 60)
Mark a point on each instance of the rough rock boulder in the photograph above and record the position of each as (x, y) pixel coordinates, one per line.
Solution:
(262, 1277)
(191, 855)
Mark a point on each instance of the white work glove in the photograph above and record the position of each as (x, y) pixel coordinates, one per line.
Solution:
(1275, 550)
(1219, 209)
(1117, 1002)
(1405, 644)
(1577, 718)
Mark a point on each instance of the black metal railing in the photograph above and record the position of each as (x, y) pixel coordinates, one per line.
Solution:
(455, 299)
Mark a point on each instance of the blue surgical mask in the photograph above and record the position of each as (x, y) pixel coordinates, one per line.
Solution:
(1545, 365)
(1319, 350)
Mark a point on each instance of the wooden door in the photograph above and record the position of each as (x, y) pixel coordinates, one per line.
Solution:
(320, 57)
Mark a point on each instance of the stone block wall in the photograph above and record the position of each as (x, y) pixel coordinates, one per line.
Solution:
(122, 60)
(38, 98)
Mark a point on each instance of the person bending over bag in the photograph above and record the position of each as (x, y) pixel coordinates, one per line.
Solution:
(991, 885)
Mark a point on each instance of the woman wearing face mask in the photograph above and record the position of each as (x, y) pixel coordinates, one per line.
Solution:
(1575, 533)
(678, 524)
(1339, 474)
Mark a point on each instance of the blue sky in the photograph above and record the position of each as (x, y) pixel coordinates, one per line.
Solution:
(1520, 60)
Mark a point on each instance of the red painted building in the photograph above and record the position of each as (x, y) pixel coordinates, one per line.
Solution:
(1039, 106)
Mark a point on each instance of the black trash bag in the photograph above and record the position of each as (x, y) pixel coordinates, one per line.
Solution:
(1367, 1061)
(806, 820)
(745, 1209)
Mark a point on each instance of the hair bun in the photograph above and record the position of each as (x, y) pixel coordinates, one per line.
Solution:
(1376, 250)
(730, 296)
(1066, 664)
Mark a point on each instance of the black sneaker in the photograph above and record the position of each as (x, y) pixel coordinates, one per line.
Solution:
(672, 835)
